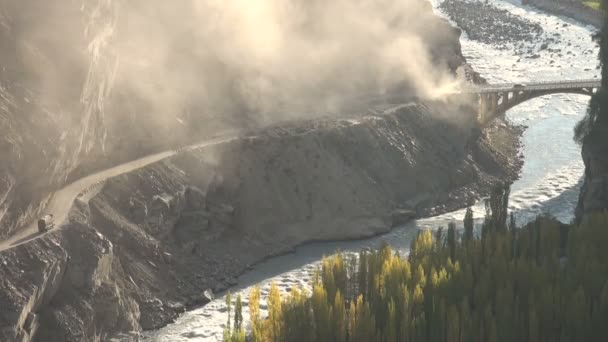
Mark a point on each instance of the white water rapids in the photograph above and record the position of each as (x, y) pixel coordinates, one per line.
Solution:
(549, 183)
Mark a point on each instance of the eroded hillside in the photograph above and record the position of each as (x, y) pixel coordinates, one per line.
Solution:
(143, 246)
(78, 94)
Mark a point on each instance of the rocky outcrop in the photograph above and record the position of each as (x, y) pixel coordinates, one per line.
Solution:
(402, 216)
(66, 286)
(62, 115)
(594, 192)
(147, 245)
(486, 23)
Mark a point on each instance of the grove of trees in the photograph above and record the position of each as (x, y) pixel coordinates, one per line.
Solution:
(545, 281)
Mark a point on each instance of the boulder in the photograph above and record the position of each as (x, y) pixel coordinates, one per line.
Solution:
(195, 199)
(138, 211)
(175, 306)
(161, 205)
(402, 216)
(208, 295)
(204, 298)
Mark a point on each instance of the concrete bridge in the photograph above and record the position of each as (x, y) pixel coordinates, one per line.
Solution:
(496, 99)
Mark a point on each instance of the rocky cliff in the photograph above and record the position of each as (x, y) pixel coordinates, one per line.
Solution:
(80, 90)
(141, 247)
(62, 113)
(594, 192)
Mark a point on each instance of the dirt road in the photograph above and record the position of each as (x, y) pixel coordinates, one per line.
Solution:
(62, 200)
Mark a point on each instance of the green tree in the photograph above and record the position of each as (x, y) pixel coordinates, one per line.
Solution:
(469, 225)
(274, 313)
(228, 330)
(527, 295)
(499, 204)
(452, 239)
(391, 323)
(254, 315)
(339, 320)
(365, 329)
(321, 313)
(362, 276)
(297, 321)
(238, 314)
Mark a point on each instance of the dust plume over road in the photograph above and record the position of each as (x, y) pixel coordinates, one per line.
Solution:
(88, 84)
(277, 59)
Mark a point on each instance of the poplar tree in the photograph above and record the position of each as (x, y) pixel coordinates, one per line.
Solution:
(274, 313)
(532, 295)
(469, 225)
(254, 315)
(227, 330)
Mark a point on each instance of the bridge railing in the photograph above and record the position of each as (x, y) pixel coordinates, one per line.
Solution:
(544, 85)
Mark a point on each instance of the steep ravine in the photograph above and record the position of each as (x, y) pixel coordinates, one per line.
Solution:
(143, 246)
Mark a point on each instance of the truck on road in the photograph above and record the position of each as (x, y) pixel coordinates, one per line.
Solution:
(45, 223)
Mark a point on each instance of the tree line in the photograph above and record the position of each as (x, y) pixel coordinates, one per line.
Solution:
(545, 281)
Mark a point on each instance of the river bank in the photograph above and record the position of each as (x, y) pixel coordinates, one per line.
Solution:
(571, 9)
(494, 25)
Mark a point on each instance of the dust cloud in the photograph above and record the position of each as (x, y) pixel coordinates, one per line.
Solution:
(157, 66)
(278, 59)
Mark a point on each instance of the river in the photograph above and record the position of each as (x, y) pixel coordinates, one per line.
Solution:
(549, 183)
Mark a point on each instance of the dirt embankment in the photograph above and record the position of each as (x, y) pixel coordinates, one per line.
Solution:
(145, 245)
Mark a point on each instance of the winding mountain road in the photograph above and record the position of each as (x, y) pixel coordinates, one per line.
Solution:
(62, 200)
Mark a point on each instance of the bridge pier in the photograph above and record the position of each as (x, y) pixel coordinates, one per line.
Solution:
(488, 105)
(493, 103)
(483, 108)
